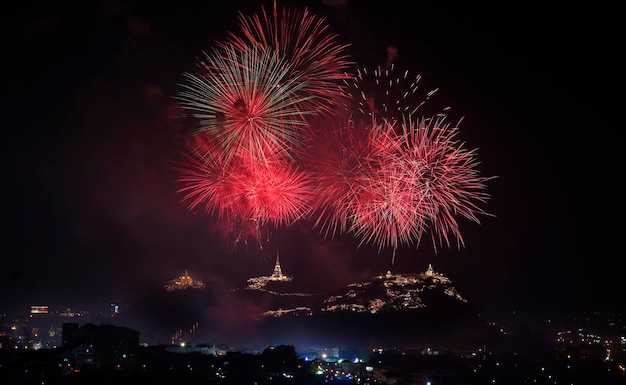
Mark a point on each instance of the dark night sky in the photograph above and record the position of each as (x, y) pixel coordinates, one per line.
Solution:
(91, 212)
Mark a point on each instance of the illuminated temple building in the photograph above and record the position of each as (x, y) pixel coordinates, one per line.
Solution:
(277, 275)
(258, 283)
(184, 282)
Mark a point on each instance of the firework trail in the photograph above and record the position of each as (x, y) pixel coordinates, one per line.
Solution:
(385, 93)
(305, 41)
(245, 99)
(237, 235)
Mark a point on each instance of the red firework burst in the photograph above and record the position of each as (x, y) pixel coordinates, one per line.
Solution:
(448, 175)
(363, 190)
(385, 178)
(273, 192)
(389, 189)
(336, 158)
(306, 42)
(391, 211)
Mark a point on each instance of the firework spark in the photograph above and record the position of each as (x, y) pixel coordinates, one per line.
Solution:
(273, 148)
(363, 190)
(449, 175)
(245, 100)
(387, 93)
(305, 41)
(389, 185)
(274, 192)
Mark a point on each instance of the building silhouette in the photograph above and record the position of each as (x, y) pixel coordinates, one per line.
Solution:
(99, 346)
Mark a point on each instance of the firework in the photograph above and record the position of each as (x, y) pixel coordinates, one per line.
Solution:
(387, 94)
(274, 192)
(244, 99)
(364, 190)
(390, 185)
(272, 147)
(452, 184)
(305, 41)
(339, 160)
(392, 210)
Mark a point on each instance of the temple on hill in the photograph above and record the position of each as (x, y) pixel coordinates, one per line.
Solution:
(411, 278)
(259, 283)
(184, 282)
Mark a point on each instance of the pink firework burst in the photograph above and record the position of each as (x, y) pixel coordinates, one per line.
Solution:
(263, 100)
(245, 99)
(389, 185)
(448, 175)
(339, 159)
(390, 211)
(305, 41)
(363, 190)
(273, 192)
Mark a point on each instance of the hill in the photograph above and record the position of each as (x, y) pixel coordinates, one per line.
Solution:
(391, 310)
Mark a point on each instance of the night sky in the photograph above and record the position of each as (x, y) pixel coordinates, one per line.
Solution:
(90, 203)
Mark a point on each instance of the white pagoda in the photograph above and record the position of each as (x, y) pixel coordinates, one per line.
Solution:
(277, 275)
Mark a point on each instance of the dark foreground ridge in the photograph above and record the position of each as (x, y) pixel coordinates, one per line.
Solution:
(282, 364)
